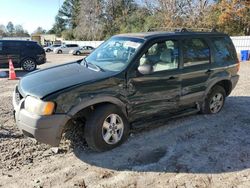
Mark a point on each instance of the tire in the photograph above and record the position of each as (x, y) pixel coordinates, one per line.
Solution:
(78, 53)
(214, 101)
(59, 51)
(28, 65)
(100, 135)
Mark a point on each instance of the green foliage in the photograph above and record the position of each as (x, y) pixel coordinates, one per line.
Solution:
(67, 17)
(10, 28)
(68, 34)
(39, 30)
(100, 19)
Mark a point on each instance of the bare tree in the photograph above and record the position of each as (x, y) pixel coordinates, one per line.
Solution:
(179, 13)
(89, 27)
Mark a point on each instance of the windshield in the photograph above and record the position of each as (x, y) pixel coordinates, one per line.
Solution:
(114, 54)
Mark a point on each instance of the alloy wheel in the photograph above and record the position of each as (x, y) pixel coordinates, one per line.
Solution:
(29, 65)
(112, 129)
(216, 103)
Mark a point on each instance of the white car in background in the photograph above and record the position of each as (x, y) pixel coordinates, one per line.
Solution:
(51, 47)
(84, 50)
(66, 48)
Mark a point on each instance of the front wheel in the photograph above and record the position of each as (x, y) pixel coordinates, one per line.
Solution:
(78, 53)
(214, 101)
(29, 65)
(106, 128)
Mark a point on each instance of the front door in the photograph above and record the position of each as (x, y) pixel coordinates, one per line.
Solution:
(12, 50)
(157, 91)
(3, 57)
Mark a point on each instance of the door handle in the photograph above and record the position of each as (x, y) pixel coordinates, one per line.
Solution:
(209, 71)
(171, 78)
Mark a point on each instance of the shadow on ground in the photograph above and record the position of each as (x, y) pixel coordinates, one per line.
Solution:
(195, 144)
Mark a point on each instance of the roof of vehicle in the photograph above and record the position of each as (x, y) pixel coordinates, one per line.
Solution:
(17, 41)
(149, 35)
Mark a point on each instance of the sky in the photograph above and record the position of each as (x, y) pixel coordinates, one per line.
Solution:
(29, 13)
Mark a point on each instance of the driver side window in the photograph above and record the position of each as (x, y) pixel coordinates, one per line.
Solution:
(162, 56)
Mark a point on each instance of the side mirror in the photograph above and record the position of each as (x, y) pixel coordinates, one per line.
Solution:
(145, 69)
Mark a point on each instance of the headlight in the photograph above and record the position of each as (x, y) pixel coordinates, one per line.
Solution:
(38, 106)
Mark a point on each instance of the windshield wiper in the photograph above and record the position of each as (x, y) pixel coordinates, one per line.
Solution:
(97, 68)
(85, 63)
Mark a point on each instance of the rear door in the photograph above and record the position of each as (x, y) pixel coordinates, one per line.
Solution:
(74, 47)
(67, 48)
(196, 70)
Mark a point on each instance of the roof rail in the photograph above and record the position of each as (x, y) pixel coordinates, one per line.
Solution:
(174, 29)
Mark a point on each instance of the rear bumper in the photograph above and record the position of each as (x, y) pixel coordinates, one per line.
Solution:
(45, 129)
(234, 80)
(41, 60)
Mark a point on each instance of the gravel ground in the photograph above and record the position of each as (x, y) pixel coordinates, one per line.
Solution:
(193, 151)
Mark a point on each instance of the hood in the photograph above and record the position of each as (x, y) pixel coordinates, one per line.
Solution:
(47, 81)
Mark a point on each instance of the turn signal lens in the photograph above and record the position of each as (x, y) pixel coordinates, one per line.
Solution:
(49, 108)
(238, 66)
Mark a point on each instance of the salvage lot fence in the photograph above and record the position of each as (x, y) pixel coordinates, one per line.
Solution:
(241, 43)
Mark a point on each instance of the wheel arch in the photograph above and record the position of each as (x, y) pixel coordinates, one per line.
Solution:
(223, 82)
(92, 104)
(27, 57)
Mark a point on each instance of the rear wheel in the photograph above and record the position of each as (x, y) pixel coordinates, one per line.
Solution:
(29, 65)
(106, 128)
(214, 101)
(59, 51)
(78, 53)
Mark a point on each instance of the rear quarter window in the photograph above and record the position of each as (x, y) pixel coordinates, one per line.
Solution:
(1, 46)
(33, 47)
(224, 49)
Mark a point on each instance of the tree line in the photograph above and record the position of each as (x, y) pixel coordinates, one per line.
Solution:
(100, 19)
(11, 30)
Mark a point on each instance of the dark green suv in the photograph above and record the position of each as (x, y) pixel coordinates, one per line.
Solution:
(128, 78)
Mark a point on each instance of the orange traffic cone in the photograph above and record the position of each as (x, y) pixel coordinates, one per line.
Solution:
(12, 74)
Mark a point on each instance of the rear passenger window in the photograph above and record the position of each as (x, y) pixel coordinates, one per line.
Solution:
(1, 46)
(223, 49)
(72, 45)
(31, 45)
(195, 52)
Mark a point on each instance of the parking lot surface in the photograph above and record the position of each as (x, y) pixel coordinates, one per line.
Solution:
(193, 151)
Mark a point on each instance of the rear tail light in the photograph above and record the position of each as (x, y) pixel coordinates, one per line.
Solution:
(238, 65)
